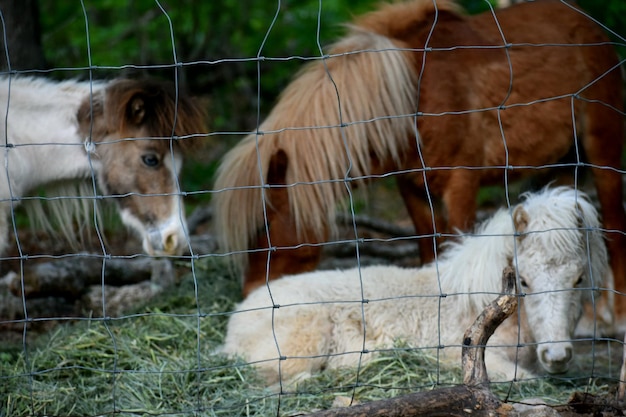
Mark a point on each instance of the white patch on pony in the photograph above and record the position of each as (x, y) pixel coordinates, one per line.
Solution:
(53, 130)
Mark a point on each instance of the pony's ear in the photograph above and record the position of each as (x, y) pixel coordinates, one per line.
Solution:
(136, 110)
(277, 170)
(520, 219)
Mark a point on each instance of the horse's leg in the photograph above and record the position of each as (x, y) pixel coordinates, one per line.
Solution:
(283, 257)
(419, 208)
(503, 359)
(459, 198)
(609, 186)
(305, 336)
(501, 368)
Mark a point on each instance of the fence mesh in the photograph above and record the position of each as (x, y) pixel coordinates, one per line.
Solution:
(106, 324)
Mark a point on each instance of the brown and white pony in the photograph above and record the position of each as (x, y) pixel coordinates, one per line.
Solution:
(127, 135)
(443, 101)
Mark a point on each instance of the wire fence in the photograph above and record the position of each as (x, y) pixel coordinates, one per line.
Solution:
(138, 316)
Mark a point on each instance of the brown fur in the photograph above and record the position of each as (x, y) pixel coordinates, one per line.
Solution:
(128, 105)
(470, 106)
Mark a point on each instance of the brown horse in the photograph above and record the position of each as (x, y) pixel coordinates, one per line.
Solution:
(127, 135)
(451, 102)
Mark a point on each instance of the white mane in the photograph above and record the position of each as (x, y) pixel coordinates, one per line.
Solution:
(561, 211)
(495, 237)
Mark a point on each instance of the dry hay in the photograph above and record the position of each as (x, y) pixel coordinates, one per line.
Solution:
(158, 360)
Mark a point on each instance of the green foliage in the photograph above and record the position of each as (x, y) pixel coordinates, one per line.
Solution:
(218, 42)
(612, 15)
(123, 34)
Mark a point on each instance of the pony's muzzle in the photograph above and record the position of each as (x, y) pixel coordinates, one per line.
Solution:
(159, 243)
(556, 358)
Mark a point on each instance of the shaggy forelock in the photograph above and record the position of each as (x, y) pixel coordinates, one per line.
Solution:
(556, 225)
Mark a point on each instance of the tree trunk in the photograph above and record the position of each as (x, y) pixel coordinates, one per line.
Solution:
(21, 36)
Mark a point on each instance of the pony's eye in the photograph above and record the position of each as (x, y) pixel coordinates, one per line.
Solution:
(523, 283)
(150, 160)
(578, 281)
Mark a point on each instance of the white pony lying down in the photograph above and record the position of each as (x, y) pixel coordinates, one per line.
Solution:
(329, 319)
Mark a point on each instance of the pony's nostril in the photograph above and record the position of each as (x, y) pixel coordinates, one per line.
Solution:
(170, 243)
(556, 359)
(568, 354)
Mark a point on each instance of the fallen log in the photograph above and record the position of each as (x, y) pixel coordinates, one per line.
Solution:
(71, 277)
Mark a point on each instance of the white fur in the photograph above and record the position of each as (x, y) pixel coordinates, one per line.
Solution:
(39, 125)
(320, 320)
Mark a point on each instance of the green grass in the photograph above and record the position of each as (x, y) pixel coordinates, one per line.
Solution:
(159, 360)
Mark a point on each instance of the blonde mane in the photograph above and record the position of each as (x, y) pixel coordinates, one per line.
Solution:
(327, 106)
(416, 91)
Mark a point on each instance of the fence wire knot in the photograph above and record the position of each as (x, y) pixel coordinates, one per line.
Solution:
(90, 146)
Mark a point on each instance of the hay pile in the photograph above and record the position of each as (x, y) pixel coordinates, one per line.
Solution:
(157, 360)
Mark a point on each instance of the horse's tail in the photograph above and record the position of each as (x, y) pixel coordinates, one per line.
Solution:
(341, 119)
(238, 202)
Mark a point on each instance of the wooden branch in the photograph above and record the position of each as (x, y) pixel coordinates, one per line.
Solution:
(587, 404)
(472, 398)
(200, 215)
(395, 251)
(476, 337)
(203, 214)
(12, 307)
(462, 400)
(70, 277)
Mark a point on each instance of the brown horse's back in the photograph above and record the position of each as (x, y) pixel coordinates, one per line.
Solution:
(521, 95)
(550, 78)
